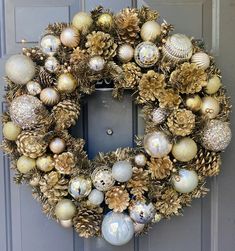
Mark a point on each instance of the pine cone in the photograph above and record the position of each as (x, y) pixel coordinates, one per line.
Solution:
(34, 53)
(155, 190)
(168, 98)
(127, 25)
(181, 122)
(189, 78)
(44, 78)
(132, 75)
(160, 168)
(147, 14)
(102, 44)
(31, 144)
(78, 55)
(117, 198)
(151, 85)
(54, 186)
(65, 114)
(64, 162)
(87, 221)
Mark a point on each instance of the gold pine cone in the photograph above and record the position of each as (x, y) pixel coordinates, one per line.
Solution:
(44, 78)
(132, 75)
(189, 78)
(64, 162)
(78, 55)
(181, 122)
(31, 144)
(102, 44)
(160, 168)
(147, 14)
(117, 198)
(169, 98)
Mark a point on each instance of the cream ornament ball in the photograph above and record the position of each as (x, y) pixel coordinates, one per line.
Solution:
(122, 171)
(65, 209)
(33, 88)
(57, 145)
(125, 53)
(79, 187)
(96, 63)
(70, 37)
(50, 44)
(150, 31)
(25, 164)
(140, 159)
(210, 107)
(194, 103)
(20, 69)
(201, 59)
(82, 21)
(52, 64)
(96, 197)
(45, 163)
(66, 83)
(11, 131)
(49, 96)
(213, 85)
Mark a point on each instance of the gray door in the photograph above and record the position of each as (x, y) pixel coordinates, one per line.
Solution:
(210, 224)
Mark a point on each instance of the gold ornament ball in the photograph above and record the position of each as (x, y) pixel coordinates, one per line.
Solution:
(194, 103)
(57, 145)
(213, 85)
(45, 163)
(105, 21)
(49, 96)
(82, 21)
(185, 149)
(125, 53)
(150, 31)
(11, 131)
(210, 107)
(66, 223)
(25, 164)
(33, 88)
(65, 209)
(70, 37)
(66, 83)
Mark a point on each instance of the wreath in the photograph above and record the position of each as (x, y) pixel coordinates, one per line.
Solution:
(124, 192)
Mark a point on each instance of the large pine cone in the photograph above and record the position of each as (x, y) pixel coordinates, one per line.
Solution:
(132, 75)
(31, 144)
(64, 162)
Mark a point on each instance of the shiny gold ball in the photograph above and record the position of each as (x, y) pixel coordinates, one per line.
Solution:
(210, 107)
(25, 164)
(194, 103)
(49, 96)
(65, 209)
(82, 21)
(70, 37)
(105, 21)
(213, 85)
(57, 145)
(66, 83)
(11, 131)
(45, 163)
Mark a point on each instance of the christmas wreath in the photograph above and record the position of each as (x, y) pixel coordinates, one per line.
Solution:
(173, 80)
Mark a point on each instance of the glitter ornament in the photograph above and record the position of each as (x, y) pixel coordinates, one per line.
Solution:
(96, 63)
(201, 59)
(25, 164)
(140, 159)
(66, 83)
(122, 171)
(33, 88)
(216, 135)
(49, 96)
(150, 31)
(125, 53)
(82, 21)
(79, 187)
(52, 64)
(57, 145)
(45, 163)
(159, 115)
(210, 107)
(11, 131)
(65, 209)
(50, 44)
(96, 197)
(70, 37)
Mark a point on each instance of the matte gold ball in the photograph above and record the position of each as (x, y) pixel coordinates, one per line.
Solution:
(65, 209)
(213, 85)
(57, 145)
(185, 149)
(45, 163)
(11, 131)
(105, 21)
(125, 53)
(150, 31)
(82, 21)
(210, 107)
(49, 96)
(66, 83)
(194, 103)
(25, 164)
(70, 37)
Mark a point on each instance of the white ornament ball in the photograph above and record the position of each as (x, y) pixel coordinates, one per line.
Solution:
(70, 37)
(52, 64)
(45, 163)
(82, 21)
(49, 96)
(210, 107)
(117, 228)
(201, 59)
(20, 69)
(96, 63)
(150, 31)
(66, 223)
(140, 159)
(186, 181)
(25, 164)
(33, 88)
(11, 131)
(50, 44)
(65, 209)
(213, 85)
(122, 171)
(125, 53)
(57, 145)
(96, 197)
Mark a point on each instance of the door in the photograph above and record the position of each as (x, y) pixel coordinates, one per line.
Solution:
(210, 224)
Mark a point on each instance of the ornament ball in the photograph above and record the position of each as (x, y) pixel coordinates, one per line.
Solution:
(66, 83)
(125, 53)
(25, 164)
(82, 21)
(213, 85)
(66, 223)
(105, 21)
(194, 103)
(96, 63)
(150, 31)
(45, 163)
(11, 131)
(49, 96)
(57, 145)
(65, 209)
(210, 107)
(33, 88)
(96, 197)
(122, 171)
(79, 187)
(52, 64)
(70, 37)
(50, 44)
(140, 159)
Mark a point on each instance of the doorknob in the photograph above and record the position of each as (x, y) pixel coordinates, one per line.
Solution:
(109, 131)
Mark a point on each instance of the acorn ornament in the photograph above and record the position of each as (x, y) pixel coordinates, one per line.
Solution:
(49, 96)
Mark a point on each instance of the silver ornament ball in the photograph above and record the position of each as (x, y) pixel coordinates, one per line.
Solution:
(122, 171)
(80, 187)
(159, 115)
(140, 159)
(33, 88)
(50, 44)
(96, 197)
(52, 64)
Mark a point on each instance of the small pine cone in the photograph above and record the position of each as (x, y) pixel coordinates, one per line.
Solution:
(181, 122)
(207, 163)
(189, 78)
(132, 75)
(160, 168)
(169, 203)
(65, 114)
(44, 78)
(169, 99)
(117, 198)
(56, 28)
(53, 186)
(78, 55)
(151, 85)
(127, 25)
(31, 144)
(146, 14)
(64, 162)
(87, 221)
(102, 44)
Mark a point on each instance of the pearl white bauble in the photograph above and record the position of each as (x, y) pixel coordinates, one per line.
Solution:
(213, 85)
(210, 107)
(150, 31)
(157, 144)
(50, 44)
(96, 197)
(125, 53)
(45, 163)
(185, 149)
(80, 187)
(33, 88)
(66, 223)
(82, 21)
(186, 181)
(70, 37)
(194, 103)
(57, 145)
(122, 171)
(66, 83)
(11, 131)
(201, 59)
(20, 69)
(49, 96)
(140, 159)
(25, 164)
(117, 228)
(65, 209)
(96, 63)
(52, 64)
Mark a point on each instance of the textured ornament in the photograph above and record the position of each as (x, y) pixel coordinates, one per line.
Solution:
(70, 37)
(140, 159)
(117, 228)
(125, 53)
(82, 21)
(25, 164)
(50, 44)
(201, 59)
(96, 197)
(66, 83)
(210, 107)
(80, 187)
(105, 21)
(49, 96)
(102, 178)
(96, 63)
(178, 48)
(52, 64)
(141, 212)
(11, 131)
(185, 149)
(186, 181)
(213, 85)
(146, 54)
(45, 163)
(122, 171)
(159, 115)
(216, 135)
(157, 144)
(194, 103)
(65, 209)
(26, 111)
(33, 88)
(66, 223)
(20, 69)
(150, 31)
